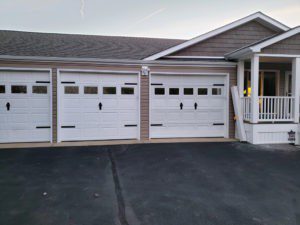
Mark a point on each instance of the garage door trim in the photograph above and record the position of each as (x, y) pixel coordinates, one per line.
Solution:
(125, 72)
(227, 84)
(46, 69)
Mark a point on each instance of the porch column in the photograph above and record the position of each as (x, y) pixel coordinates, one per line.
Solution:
(254, 88)
(240, 77)
(296, 86)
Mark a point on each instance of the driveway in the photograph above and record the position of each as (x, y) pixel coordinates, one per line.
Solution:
(151, 184)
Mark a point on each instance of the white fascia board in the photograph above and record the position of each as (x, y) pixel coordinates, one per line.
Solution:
(241, 54)
(194, 57)
(290, 33)
(220, 30)
(10, 58)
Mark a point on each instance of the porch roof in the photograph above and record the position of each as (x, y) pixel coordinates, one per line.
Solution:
(258, 46)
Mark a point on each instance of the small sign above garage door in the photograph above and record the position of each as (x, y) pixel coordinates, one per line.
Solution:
(188, 106)
(25, 106)
(97, 106)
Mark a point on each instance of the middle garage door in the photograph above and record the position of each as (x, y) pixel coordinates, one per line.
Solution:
(188, 106)
(97, 106)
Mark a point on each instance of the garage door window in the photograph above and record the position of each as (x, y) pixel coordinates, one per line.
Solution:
(39, 89)
(18, 89)
(202, 91)
(188, 91)
(217, 91)
(159, 91)
(71, 90)
(174, 91)
(109, 90)
(90, 90)
(2, 89)
(127, 91)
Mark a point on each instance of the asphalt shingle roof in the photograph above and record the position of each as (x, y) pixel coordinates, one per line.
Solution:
(18, 43)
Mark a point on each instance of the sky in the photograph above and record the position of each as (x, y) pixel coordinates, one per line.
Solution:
(178, 19)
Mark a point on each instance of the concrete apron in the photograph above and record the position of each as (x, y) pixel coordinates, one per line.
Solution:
(113, 142)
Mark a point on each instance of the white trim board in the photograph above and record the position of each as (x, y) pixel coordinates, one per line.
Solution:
(77, 61)
(266, 20)
(194, 57)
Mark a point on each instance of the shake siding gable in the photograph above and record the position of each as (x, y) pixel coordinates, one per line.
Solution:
(228, 41)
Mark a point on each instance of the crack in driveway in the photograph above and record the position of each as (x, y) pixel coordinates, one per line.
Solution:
(118, 190)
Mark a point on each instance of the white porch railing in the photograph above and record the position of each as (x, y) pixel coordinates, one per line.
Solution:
(271, 109)
(246, 103)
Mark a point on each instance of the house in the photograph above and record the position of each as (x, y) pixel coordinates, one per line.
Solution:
(64, 87)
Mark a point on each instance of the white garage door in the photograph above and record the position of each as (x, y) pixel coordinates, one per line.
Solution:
(25, 106)
(188, 106)
(98, 106)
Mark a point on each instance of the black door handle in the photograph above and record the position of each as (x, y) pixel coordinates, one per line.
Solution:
(195, 105)
(8, 106)
(100, 106)
(181, 106)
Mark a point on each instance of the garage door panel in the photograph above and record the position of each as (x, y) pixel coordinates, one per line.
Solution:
(91, 118)
(19, 118)
(100, 116)
(172, 116)
(40, 119)
(109, 103)
(193, 120)
(70, 118)
(128, 116)
(70, 103)
(27, 110)
(127, 104)
(217, 116)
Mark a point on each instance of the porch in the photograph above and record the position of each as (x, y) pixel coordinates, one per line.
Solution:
(269, 89)
(268, 97)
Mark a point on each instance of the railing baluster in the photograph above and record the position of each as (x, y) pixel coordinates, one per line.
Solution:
(273, 108)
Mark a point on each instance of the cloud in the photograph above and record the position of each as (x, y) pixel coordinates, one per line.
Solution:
(149, 16)
(82, 9)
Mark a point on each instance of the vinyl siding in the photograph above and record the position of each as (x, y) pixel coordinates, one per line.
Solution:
(54, 105)
(228, 41)
(288, 46)
(144, 107)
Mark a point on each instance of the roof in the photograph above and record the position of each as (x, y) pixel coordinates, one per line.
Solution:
(258, 46)
(258, 16)
(19, 43)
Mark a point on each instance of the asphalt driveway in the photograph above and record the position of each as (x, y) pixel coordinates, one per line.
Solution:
(150, 184)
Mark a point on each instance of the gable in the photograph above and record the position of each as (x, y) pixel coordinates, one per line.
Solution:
(228, 41)
(290, 45)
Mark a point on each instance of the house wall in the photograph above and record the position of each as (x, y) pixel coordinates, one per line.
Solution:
(228, 41)
(288, 46)
(144, 85)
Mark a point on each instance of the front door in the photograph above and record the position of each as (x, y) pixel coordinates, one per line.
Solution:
(268, 84)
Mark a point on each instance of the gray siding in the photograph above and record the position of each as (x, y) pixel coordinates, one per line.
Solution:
(288, 46)
(228, 41)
